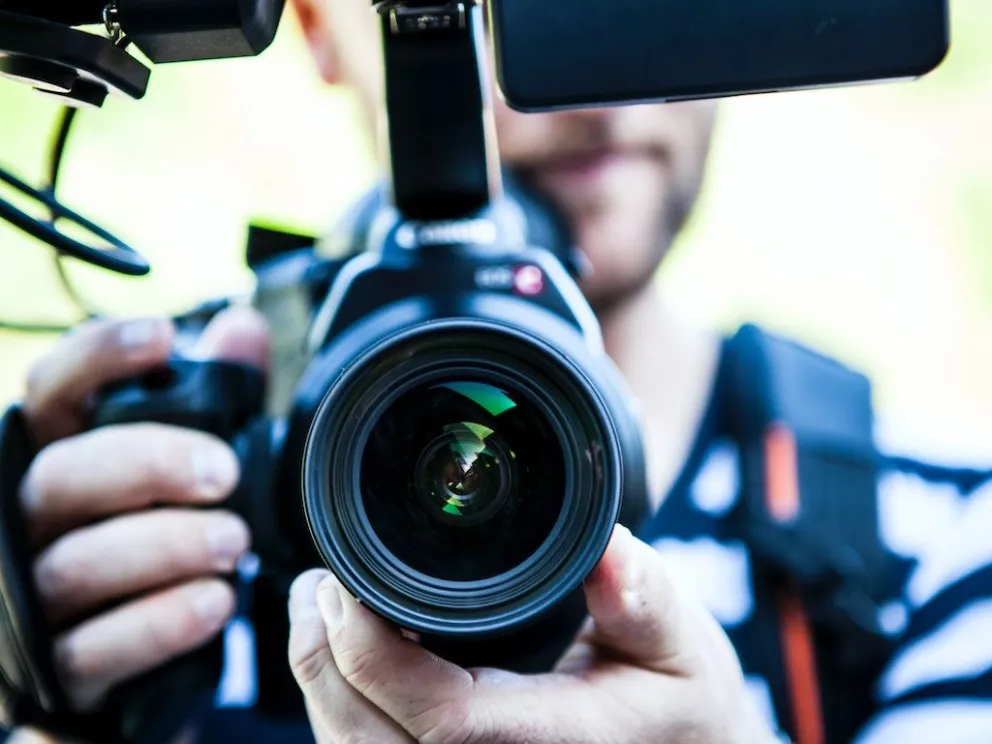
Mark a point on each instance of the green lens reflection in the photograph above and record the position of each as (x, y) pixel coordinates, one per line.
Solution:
(462, 468)
(492, 399)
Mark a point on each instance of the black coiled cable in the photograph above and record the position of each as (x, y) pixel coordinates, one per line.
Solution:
(119, 257)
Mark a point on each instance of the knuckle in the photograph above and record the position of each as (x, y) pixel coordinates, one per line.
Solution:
(49, 381)
(357, 664)
(162, 457)
(450, 722)
(222, 530)
(164, 639)
(80, 343)
(178, 628)
(309, 663)
(183, 540)
(91, 338)
(370, 737)
(176, 554)
(173, 553)
(178, 461)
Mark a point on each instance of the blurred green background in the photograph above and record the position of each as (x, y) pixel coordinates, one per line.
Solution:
(857, 219)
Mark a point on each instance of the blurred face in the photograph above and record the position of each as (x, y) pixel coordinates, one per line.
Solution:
(625, 177)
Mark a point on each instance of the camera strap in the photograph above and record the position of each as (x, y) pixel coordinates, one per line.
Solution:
(809, 516)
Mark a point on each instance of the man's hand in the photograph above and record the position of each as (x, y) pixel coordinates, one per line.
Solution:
(652, 666)
(125, 521)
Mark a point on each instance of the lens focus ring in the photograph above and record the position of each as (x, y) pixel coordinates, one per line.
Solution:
(462, 480)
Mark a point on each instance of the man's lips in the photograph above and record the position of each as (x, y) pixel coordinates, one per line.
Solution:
(582, 166)
(592, 168)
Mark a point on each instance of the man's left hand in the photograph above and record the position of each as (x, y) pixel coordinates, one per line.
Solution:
(652, 666)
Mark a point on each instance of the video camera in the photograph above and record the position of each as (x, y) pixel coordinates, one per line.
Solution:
(457, 446)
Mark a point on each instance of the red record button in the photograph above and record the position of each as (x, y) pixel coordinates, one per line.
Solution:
(528, 280)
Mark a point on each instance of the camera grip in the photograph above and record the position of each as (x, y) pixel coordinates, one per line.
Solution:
(217, 397)
(220, 398)
(31, 693)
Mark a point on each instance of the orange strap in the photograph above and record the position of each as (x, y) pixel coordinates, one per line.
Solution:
(783, 501)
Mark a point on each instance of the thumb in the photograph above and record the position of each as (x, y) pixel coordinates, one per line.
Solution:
(238, 334)
(639, 613)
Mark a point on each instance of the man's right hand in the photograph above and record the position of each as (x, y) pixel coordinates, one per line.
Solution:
(127, 525)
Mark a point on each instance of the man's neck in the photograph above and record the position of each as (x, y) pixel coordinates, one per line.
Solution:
(670, 366)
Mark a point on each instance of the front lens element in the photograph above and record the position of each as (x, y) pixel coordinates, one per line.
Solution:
(462, 480)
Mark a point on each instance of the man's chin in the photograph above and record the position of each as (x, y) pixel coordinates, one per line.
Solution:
(607, 294)
(622, 259)
(619, 260)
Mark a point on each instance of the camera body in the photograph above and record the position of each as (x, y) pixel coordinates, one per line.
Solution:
(458, 446)
(461, 344)
(448, 435)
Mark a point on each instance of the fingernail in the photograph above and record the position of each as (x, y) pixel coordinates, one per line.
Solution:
(227, 540)
(628, 555)
(632, 571)
(330, 599)
(215, 469)
(137, 334)
(212, 603)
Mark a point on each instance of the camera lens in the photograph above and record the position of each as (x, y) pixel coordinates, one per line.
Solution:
(462, 479)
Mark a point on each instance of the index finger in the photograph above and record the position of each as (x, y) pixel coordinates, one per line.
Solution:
(88, 357)
(121, 469)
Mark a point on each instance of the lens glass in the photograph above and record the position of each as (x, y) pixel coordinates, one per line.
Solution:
(462, 480)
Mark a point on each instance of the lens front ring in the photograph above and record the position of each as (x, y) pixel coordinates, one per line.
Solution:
(587, 436)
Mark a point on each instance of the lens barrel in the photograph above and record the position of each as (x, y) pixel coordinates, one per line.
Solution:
(462, 478)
